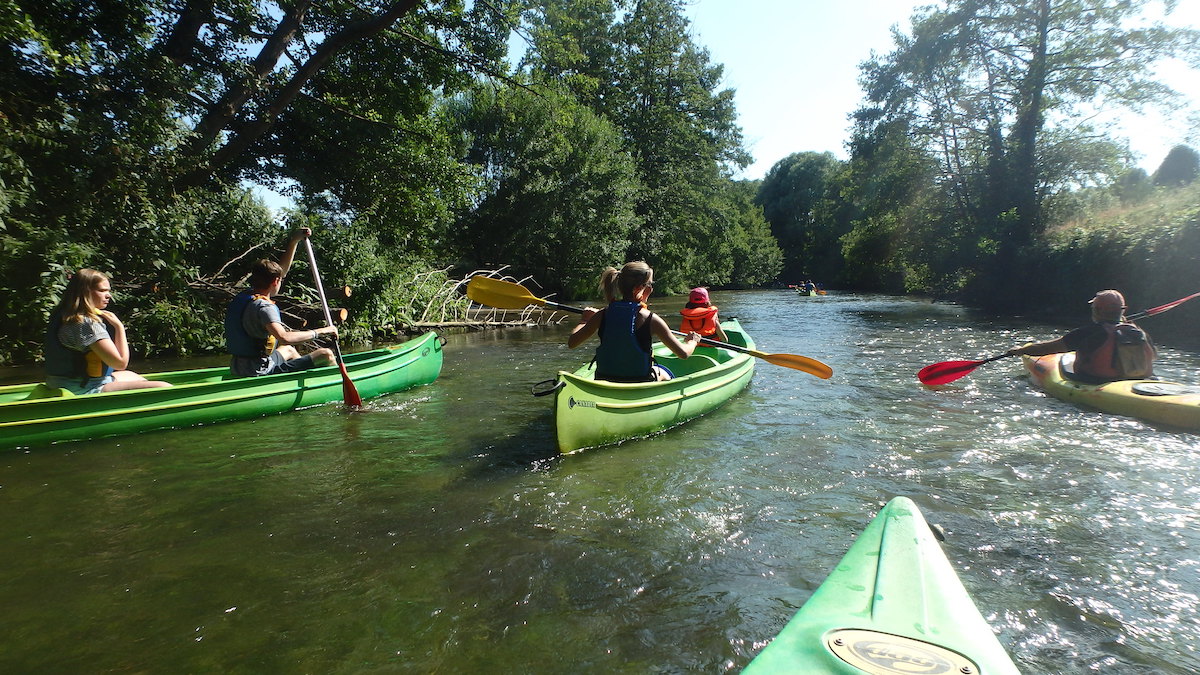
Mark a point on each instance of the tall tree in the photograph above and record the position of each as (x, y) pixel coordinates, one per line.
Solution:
(981, 81)
(646, 75)
(790, 197)
(1180, 167)
(559, 190)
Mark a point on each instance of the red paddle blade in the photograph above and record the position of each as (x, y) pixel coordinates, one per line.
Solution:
(349, 392)
(946, 371)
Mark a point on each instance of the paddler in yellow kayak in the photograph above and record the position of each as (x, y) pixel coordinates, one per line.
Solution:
(1108, 349)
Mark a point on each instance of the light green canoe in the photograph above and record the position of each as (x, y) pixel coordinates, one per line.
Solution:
(590, 412)
(892, 605)
(33, 414)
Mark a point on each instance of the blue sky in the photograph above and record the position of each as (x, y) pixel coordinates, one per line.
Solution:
(794, 66)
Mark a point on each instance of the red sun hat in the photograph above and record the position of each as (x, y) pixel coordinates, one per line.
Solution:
(1108, 301)
(698, 296)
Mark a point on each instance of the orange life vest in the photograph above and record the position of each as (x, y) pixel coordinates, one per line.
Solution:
(1112, 359)
(703, 320)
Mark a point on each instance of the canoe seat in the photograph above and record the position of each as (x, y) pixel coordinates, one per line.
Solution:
(693, 364)
(42, 390)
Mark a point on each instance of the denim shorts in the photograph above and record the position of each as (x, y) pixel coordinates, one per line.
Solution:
(92, 385)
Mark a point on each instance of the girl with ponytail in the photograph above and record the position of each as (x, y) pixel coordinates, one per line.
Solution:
(626, 328)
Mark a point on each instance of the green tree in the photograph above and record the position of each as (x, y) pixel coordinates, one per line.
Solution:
(757, 257)
(982, 81)
(560, 189)
(683, 134)
(790, 196)
(644, 74)
(1180, 167)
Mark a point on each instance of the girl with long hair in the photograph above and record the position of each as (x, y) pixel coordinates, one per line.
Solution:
(86, 349)
(626, 328)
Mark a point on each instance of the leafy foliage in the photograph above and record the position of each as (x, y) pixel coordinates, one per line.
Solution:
(560, 188)
(1180, 167)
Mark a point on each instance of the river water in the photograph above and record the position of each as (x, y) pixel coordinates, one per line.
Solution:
(439, 532)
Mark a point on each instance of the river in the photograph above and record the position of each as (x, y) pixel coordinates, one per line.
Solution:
(438, 531)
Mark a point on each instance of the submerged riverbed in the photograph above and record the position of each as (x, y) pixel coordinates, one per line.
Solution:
(438, 531)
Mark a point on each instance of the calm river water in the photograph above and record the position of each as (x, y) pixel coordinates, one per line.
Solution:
(438, 531)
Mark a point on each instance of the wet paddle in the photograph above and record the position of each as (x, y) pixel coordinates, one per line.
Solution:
(349, 391)
(949, 371)
(510, 295)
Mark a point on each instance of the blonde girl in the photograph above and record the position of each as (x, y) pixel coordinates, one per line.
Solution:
(626, 328)
(86, 350)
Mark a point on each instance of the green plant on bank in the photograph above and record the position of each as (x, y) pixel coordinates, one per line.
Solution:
(1149, 251)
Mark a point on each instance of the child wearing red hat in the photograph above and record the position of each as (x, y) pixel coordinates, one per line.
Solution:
(700, 315)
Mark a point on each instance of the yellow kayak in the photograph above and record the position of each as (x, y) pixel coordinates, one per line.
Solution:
(1168, 403)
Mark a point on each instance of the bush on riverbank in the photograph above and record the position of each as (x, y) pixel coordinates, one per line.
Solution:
(1149, 251)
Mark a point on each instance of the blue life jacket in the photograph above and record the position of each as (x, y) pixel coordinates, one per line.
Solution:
(237, 340)
(624, 353)
(62, 361)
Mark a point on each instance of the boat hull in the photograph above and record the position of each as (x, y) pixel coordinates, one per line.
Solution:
(1158, 401)
(590, 413)
(207, 395)
(892, 605)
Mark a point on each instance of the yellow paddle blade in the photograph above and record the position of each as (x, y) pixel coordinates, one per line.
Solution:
(500, 294)
(795, 362)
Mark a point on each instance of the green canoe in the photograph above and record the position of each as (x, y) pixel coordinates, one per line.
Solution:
(590, 413)
(33, 414)
(892, 605)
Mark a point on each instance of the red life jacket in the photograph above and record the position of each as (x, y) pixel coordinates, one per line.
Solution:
(703, 320)
(1125, 354)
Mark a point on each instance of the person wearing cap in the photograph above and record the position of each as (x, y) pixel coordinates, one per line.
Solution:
(700, 315)
(1101, 345)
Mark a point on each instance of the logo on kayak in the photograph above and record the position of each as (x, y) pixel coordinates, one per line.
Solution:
(571, 403)
(885, 654)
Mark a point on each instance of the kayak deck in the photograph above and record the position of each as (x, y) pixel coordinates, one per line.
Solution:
(1168, 403)
(33, 414)
(590, 413)
(892, 605)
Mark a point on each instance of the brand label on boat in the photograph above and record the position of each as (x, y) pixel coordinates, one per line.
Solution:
(571, 403)
(885, 654)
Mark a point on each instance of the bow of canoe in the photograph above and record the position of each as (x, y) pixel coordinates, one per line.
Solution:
(892, 605)
(32, 414)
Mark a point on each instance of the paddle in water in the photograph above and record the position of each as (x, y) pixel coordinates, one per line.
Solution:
(511, 295)
(949, 371)
(349, 391)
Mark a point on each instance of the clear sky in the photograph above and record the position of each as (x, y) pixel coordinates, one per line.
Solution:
(794, 66)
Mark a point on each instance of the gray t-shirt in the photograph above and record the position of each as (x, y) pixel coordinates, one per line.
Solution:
(258, 315)
(81, 336)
